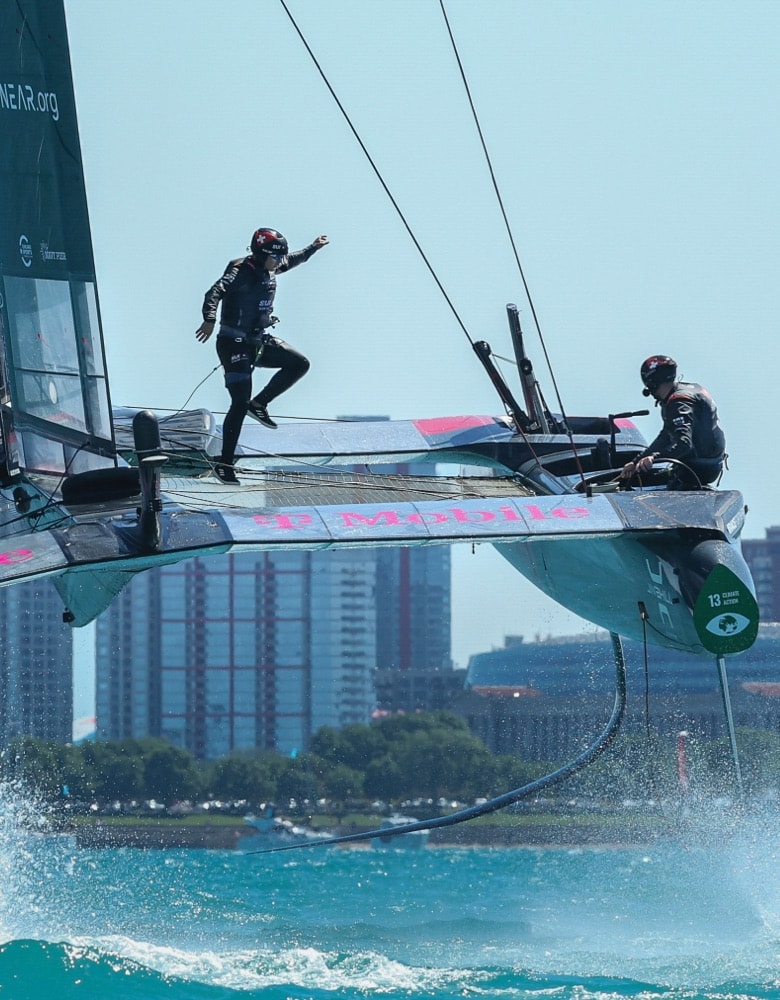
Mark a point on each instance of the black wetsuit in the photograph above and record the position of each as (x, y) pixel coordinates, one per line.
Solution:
(246, 291)
(690, 434)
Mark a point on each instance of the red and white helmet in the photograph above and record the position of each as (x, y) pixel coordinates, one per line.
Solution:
(269, 241)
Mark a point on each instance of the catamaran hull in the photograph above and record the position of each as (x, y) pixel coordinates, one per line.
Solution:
(635, 587)
(648, 581)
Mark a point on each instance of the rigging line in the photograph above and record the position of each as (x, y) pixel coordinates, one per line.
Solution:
(588, 756)
(251, 454)
(379, 176)
(290, 461)
(215, 504)
(526, 289)
(325, 420)
(490, 169)
(652, 770)
(127, 422)
(648, 735)
(183, 405)
(644, 618)
(162, 409)
(51, 503)
(659, 632)
(35, 515)
(171, 437)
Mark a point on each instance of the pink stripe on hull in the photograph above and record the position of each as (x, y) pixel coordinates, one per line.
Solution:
(446, 425)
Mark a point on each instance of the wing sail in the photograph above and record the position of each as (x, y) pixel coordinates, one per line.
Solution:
(52, 365)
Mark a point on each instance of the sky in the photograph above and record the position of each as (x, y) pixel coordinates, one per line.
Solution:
(636, 149)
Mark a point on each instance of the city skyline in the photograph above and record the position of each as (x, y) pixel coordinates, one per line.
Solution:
(261, 650)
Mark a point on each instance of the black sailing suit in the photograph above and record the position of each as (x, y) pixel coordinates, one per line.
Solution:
(246, 291)
(690, 434)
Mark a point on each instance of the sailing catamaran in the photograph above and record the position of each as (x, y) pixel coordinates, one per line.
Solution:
(91, 496)
(73, 473)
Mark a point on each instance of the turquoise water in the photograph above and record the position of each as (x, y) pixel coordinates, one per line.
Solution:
(700, 919)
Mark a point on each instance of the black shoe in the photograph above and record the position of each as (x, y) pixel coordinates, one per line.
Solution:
(226, 474)
(259, 412)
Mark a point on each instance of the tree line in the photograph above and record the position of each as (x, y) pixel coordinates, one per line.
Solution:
(402, 757)
(423, 755)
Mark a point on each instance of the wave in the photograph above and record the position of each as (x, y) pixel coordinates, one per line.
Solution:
(128, 969)
(668, 923)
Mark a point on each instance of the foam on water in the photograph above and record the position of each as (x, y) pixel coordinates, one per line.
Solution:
(678, 920)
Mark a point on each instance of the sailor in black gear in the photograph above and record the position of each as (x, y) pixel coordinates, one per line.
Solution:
(691, 434)
(246, 291)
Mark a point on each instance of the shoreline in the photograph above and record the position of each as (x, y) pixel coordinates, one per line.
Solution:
(163, 834)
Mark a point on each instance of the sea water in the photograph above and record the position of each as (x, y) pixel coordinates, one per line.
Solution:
(691, 917)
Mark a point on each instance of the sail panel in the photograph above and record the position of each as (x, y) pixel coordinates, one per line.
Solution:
(53, 360)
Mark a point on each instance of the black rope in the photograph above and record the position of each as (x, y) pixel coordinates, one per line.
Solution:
(490, 169)
(648, 734)
(221, 413)
(50, 503)
(500, 200)
(379, 176)
(673, 820)
(644, 617)
(587, 757)
(184, 404)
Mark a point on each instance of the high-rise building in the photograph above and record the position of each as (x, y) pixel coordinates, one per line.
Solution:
(414, 608)
(763, 557)
(261, 650)
(414, 587)
(342, 625)
(36, 664)
(240, 651)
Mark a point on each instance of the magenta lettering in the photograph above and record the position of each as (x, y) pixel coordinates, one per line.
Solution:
(427, 517)
(472, 516)
(353, 520)
(567, 512)
(15, 556)
(285, 522)
(537, 514)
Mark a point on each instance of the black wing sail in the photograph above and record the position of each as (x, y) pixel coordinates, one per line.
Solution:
(54, 392)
